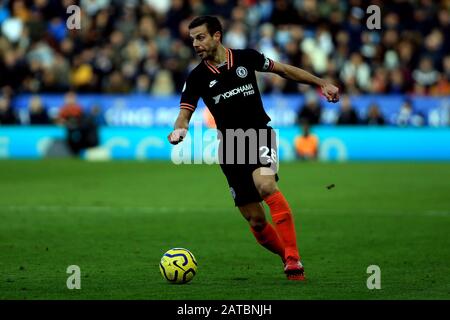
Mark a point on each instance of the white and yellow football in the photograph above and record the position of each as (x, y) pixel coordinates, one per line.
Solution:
(178, 265)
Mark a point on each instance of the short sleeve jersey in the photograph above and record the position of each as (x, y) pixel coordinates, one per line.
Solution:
(229, 91)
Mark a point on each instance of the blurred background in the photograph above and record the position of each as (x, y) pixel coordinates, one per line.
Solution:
(110, 89)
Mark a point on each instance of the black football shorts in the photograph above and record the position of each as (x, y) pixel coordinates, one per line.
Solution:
(241, 153)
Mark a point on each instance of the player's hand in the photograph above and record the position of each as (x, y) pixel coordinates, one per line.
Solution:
(177, 135)
(330, 92)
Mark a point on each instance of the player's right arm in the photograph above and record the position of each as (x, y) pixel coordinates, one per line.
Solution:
(180, 127)
(188, 103)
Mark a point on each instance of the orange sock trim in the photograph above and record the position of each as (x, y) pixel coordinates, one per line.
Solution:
(269, 239)
(284, 223)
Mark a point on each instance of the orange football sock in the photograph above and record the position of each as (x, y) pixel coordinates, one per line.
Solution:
(269, 239)
(284, 223)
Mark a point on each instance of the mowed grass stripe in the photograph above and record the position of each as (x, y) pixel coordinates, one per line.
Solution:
(115, 220)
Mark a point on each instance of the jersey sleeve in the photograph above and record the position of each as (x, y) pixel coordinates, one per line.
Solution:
(259, 61)
(190, 94)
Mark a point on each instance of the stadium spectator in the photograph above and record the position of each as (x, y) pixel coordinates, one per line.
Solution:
(311, 111)
(407, 116)
(7, 114)
(354, 27)
(236, 36)
(347, 115)
(117, 83)
(93, 7)
(13, 69)
(306, 144)
(142, 84)
(82, 74)
(379, 81)
(70, 109)
(82, 128)
(70, 116)
(160, 6)
(442, 87)
(425, 75)
(178, 11)
(98, 115)
(163, 84)
(12, 28)
(283, 13)
(446, 66)
(374, 116)
(57, 29)
(356, 73)
(37, 113)
(434, 46)
(266, 40)
(396, 83)
(318, 49)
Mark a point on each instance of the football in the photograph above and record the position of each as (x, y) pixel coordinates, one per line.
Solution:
(178, 265)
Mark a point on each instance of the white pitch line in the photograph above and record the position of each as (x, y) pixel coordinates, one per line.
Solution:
(51, 208)
(156, 210)
(439, 213)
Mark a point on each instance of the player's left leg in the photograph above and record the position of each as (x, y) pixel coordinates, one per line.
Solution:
(265, 183)
(263, 231)
(248, 200)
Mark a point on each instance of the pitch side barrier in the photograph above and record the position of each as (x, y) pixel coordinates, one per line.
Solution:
(357, 143)
(150, 111)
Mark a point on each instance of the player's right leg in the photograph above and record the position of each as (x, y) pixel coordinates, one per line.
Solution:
(265, 182)
(263, 231)
(282, 217)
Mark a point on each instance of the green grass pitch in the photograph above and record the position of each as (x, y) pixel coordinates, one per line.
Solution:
(115, 220)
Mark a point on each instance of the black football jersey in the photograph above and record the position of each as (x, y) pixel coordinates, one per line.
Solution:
(229, 91)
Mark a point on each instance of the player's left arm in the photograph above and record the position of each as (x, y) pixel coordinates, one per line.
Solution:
(330, 91)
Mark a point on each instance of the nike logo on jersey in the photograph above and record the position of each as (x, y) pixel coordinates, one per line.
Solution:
(212, 83)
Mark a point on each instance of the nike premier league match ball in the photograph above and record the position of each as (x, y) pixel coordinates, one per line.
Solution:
(178, 265)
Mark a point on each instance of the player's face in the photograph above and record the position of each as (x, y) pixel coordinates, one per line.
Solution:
(204, 44)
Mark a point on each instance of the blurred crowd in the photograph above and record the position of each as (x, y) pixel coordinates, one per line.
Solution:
(143, 46)
(310, 113)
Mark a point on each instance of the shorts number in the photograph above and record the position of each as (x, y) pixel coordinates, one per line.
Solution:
(265, 154)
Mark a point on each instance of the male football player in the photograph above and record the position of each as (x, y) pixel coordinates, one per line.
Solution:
(225, 80)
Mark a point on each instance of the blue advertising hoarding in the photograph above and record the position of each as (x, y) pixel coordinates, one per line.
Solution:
(151, 111)
(336, 143)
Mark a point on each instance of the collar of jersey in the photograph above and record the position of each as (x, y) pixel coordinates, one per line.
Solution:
(229, 63)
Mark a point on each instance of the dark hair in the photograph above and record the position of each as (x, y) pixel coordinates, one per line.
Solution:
(212, 24)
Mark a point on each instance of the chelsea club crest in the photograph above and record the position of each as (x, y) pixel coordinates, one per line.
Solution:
(241, 72)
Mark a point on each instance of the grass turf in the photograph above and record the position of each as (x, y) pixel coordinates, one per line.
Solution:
(115, 220)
